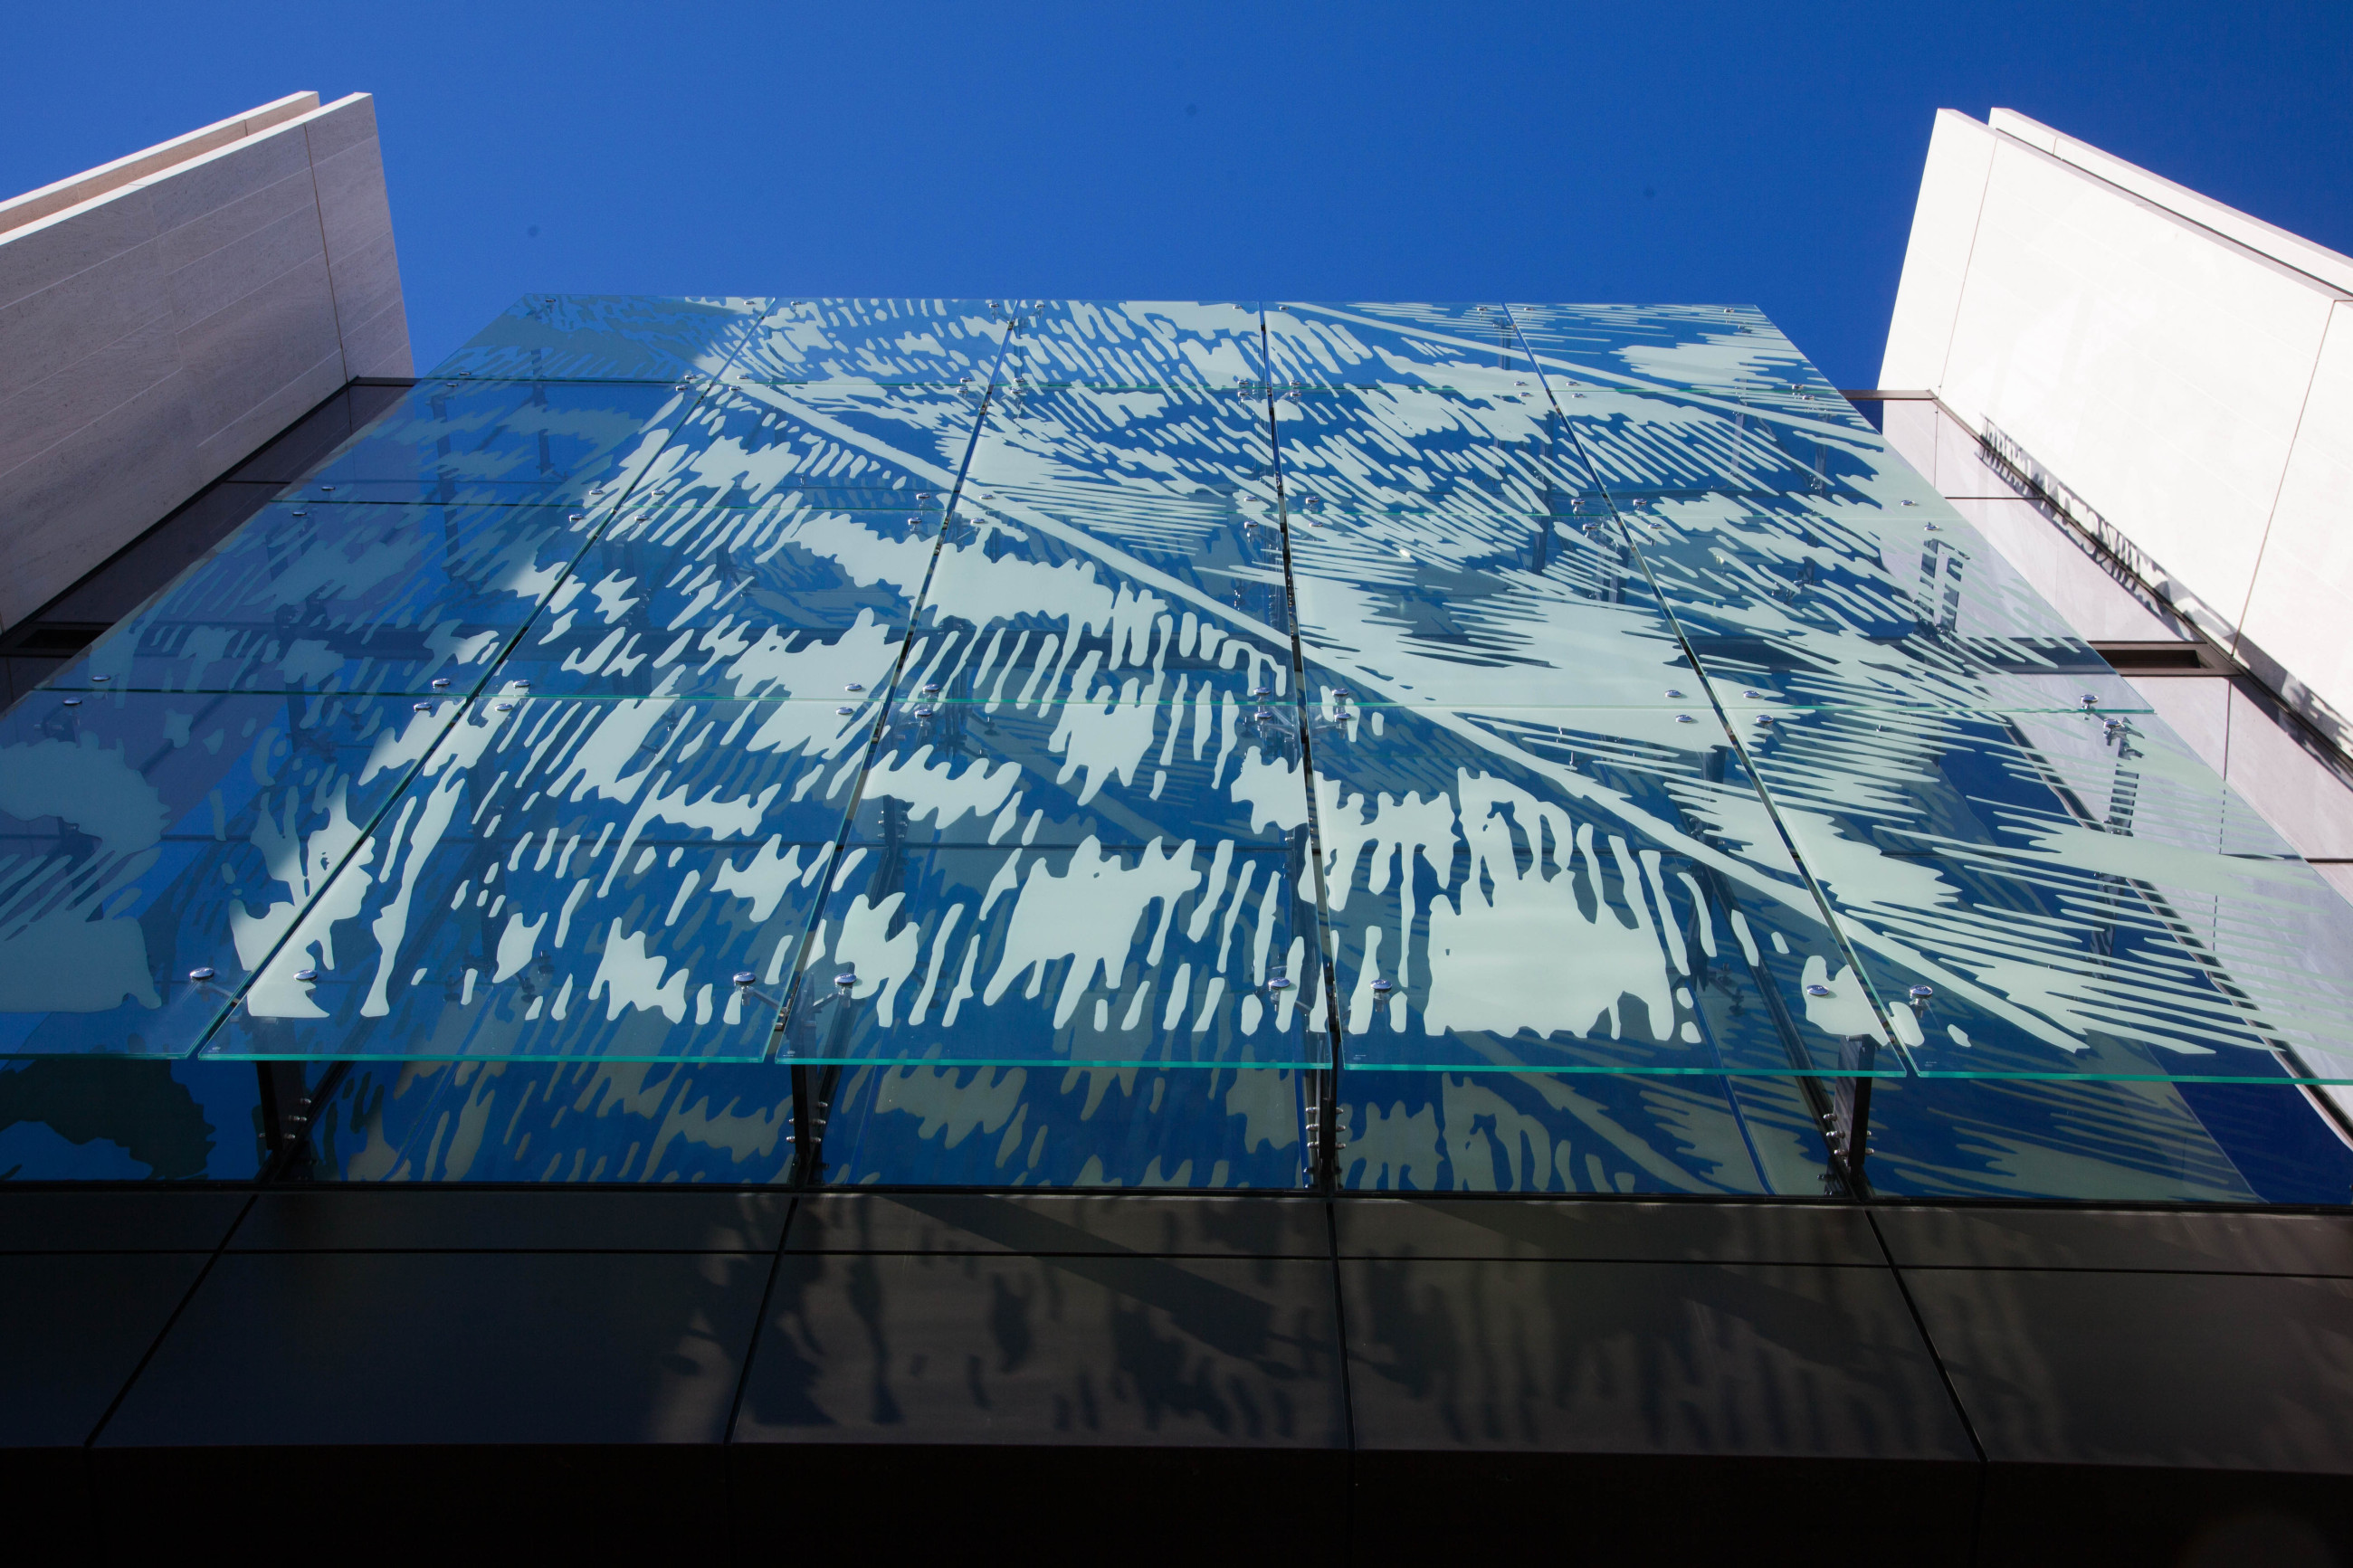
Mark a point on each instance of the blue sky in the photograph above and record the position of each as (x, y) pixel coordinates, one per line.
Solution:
(1741, 153)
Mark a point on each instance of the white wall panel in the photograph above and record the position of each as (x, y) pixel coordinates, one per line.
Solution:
(2306, 800)
(2198, 708)
(1910, 426)
(2161, 355)
(1936, 262)
(2268, 239)
(1963, 466)
(2296, 624)
(2100, 608)
(2158, 371)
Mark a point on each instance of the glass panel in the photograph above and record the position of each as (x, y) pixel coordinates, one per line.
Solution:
(125, 1119)
(1136, 343)
(1111, 643)
(1124, 768)
(1144, 481)
(297, 450)
(1577, 1133)
(1583, 628)
(1793, 601)
(2142, 1140)
(776, 548)
(1168, 955)
(918, 1125)
(157, 846)
(1572, 891)
(2074, 895)
(930, 666)
(774, 601)
(607, 337)
(150, 562)
(1442, 458)
(1449, 549)
(317, 596)
(1652, 446)
(506, 442)
(1468, 347)
(1722, 349)
(541, 1121)
(571, 878)
(1030, 610)
(939, 341)
(852, 445)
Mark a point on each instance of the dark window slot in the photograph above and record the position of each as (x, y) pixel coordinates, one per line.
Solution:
(53, 638)
(2129, 659)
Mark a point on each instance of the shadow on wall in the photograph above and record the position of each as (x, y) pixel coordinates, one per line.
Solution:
(91, 1119)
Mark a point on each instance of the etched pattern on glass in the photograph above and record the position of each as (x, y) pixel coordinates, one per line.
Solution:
(934, 687)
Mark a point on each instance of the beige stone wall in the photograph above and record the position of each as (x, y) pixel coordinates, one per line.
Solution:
(162, 316)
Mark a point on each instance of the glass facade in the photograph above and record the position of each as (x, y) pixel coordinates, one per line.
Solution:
(1226, 744)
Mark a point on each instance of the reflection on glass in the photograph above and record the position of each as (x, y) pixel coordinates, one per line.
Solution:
(322, 596)
(940, 341)
(571, 878)
(1790, 601)
(1590, 890)
(505, 443)
(1138, 345)
(2063, 894)
(153, 848)
(607, 337)
(1088, 736)
(1034, 612)
(1176, 482)
(1122, 768)
(1473, 346)
(1168, 954)
(1727, 351)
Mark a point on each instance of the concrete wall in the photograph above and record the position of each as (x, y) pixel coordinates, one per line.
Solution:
(162, 316)
(2185, 370)
(2299, 786)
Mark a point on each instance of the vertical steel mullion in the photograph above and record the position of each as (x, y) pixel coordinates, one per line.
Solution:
(810, 1090)
(1321, 1092)
(1844, 1118)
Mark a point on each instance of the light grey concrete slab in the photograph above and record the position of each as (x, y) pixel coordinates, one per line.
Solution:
(344, 123)
(135, 460)
(215, 282)
(192, 242)
(76, 316)
(38, 416)
(2303, 796)
(162, 316)
(236, 440)
(38, 257)
(76, 190)
(366, 281)
(2196, 708)
(237, 355)
(352, 202)
(379, 345)
(217, 183)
